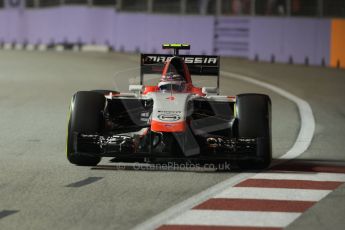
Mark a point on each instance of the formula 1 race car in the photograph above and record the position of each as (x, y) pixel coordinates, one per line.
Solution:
(172, 120)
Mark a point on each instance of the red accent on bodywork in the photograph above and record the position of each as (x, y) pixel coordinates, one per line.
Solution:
(150, 88)
(170, 127)
(197, 90)
(189, 89)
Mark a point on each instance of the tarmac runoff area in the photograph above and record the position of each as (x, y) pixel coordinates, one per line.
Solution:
(39, 189)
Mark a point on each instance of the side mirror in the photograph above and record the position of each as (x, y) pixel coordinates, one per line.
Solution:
(209, 90)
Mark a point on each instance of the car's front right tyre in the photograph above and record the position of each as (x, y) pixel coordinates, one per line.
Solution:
(254, 121)
(85, 117)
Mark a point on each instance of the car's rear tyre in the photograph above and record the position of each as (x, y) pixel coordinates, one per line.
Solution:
(254, 121)
(85, 117)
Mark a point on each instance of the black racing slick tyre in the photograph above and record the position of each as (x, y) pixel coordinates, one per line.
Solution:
(254, 121)
(85, 117)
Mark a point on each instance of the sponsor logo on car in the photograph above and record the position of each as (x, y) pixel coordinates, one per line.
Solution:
(169, 117)
(169, 111)
(188, 60)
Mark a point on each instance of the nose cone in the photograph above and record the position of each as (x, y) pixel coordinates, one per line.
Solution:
(169, 112)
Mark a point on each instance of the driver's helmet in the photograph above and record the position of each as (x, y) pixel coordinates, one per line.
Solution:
(172, 81)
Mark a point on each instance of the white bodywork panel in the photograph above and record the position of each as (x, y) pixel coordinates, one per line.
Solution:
(169, 107)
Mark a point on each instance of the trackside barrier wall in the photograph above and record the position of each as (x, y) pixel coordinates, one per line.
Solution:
(294, 40)
(338, 43)
(122, 31)
(232, 36)
(72, 24)
(147, 32)
(276, 39)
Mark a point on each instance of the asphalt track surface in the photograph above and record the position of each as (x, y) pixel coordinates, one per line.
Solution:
(39, 189)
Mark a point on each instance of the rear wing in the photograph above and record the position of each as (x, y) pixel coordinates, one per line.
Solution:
(197, 64)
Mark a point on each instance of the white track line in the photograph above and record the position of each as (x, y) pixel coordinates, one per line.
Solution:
(301, 144)
(235, 218)
(273, 194)
(307, 127)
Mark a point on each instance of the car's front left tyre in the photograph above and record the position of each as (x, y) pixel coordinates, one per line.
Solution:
(85, 117)
(254, 121)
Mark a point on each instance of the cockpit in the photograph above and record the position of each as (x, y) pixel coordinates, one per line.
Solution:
(172, 82)
(173, 78)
